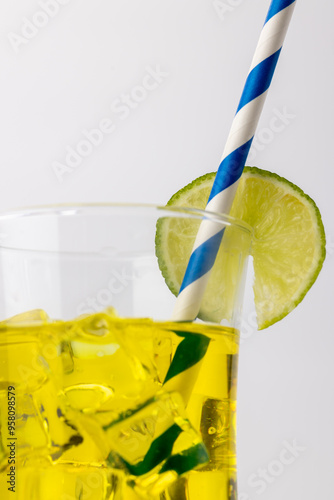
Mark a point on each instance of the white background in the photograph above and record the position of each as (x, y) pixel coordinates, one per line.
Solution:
(65, 78)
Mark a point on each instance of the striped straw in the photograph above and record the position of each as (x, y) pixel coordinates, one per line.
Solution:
(184, 371)
(234, 158)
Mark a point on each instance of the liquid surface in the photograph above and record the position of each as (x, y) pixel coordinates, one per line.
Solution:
(74, 387)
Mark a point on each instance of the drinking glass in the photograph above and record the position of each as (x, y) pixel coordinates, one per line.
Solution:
(102, 396)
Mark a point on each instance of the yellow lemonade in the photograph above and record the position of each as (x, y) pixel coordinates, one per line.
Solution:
(85, 414)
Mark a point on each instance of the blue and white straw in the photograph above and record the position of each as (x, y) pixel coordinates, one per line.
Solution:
(234, 158)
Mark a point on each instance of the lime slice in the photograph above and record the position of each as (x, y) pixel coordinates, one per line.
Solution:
(288, 247)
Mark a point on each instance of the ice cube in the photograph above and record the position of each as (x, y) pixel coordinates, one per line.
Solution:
(40, 480)
(105, 372)
(31, 365)
(42, 427)
(37, 316)
(151, 444)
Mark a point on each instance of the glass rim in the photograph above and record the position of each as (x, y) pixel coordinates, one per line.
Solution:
(74, 209)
